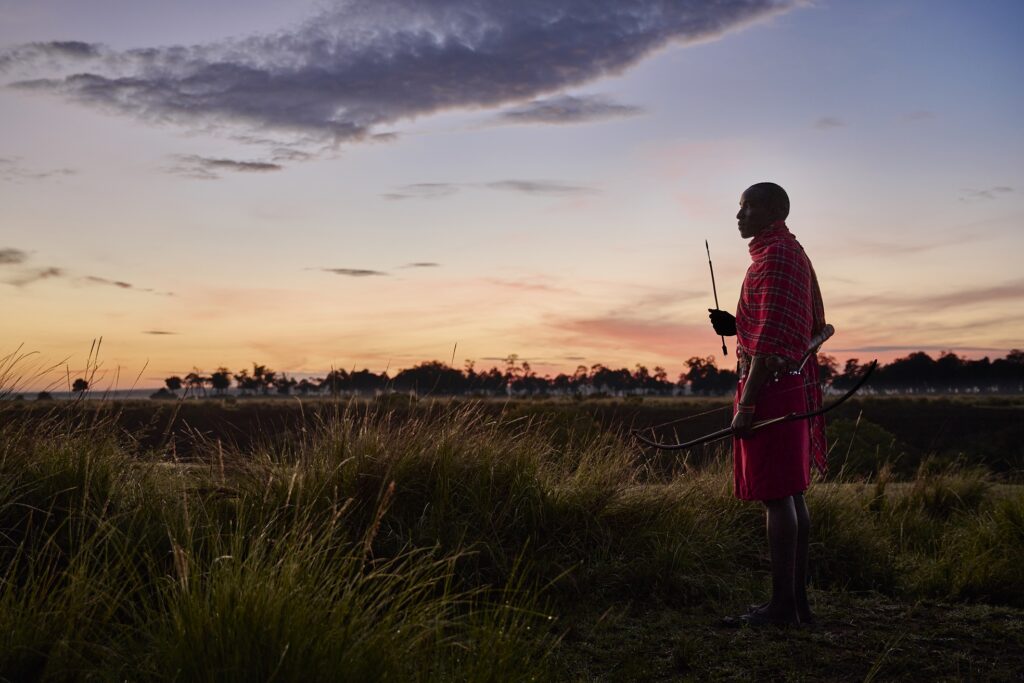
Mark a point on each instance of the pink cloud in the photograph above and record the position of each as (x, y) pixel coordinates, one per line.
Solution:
(631, 338)
(526, 285)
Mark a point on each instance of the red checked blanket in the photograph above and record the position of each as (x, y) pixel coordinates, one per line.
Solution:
(779, 311)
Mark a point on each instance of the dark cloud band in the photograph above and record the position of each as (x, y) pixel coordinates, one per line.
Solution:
(366, 63)
(568, 109)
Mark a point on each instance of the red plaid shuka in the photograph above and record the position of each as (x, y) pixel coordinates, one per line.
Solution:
(780, 310)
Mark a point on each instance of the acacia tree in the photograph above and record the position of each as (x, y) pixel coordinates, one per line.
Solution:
(512, 369)
(431, 377)
(173, 383)
(828, 368)
(220, 380)
(660, 381)
(284, 384)
(335, 382)
(196, 382)
(305, 386)
(80, 386)
(245, 383)
(641, 377)
(263, 377)
(365, 381)
(701, 374)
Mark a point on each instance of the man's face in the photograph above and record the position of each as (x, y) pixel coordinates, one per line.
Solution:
(754, 215)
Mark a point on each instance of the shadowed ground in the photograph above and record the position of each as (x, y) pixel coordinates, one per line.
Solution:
(464, 541)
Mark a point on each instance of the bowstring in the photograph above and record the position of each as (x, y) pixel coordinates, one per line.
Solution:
(804, 385)
(689, 417)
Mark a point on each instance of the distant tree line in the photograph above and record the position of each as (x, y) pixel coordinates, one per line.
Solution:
(701, 377)
(915, 373)
(949, 373)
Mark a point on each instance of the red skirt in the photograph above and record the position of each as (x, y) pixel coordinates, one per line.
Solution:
(774, 462)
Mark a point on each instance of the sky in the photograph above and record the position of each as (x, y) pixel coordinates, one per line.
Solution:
(375, 183)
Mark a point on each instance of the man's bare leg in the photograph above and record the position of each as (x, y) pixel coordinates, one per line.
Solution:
(803, 533)
(783, 530)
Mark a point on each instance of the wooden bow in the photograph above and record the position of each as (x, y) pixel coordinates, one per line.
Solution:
(728, 431)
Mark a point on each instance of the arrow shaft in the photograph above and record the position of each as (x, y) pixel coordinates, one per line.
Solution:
(711, 267)
(714, 290)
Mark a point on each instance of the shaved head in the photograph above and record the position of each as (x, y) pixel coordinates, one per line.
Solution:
(772, 197)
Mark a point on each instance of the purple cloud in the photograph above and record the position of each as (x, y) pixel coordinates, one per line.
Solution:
(362, 64)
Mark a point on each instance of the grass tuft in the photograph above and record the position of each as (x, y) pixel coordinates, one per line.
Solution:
(378, 542)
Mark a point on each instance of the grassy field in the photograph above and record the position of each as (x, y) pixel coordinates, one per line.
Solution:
(373, 541)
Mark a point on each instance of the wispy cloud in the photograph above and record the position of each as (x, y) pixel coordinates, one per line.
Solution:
(12, 256)
(827, 122)
(35, 275)
(209, 168)
(12, 170)
(361, 64)
(121, 284)
(889, 349)
(534, 187)
(544, 187)
(51, 54)
(422, 191)
(568, 109)
(632, 334)
(1011, 290)
(354, 272)
(971, 194)
(1007, 291)
(533, 285)
(892, 248)
(368, 272)
(159, 333)
(920, 115)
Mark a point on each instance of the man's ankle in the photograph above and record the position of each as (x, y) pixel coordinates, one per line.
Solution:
(782, 605)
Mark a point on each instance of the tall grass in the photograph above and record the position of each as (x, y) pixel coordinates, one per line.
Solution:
(442, 544)
(121, 568)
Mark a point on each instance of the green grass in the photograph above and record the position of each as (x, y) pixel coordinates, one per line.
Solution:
(453, 543)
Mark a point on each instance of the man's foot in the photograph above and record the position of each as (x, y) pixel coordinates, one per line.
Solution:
(774, 614)
(761, 615)
(766, 618)
(806, 615)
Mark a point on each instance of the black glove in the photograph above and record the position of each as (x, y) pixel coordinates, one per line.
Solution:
(723, 322)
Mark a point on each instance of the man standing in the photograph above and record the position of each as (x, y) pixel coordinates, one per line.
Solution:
(779, 311)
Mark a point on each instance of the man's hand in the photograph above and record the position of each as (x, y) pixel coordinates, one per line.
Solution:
(741, 424)
(723, 322)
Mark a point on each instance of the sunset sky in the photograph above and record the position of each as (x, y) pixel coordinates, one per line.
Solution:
(369, 183)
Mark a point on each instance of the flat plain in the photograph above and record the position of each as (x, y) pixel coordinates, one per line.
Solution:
(455, 539)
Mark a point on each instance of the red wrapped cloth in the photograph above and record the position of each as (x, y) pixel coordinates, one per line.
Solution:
(774, 462)
(779, 311)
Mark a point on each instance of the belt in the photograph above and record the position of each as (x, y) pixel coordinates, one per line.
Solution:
(783, 366)
(778, 365)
